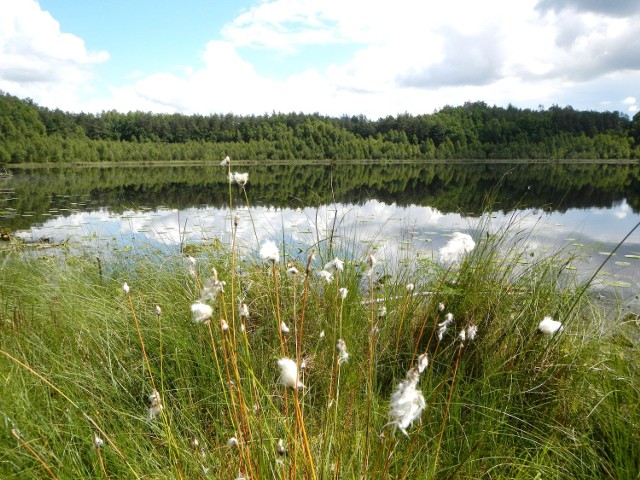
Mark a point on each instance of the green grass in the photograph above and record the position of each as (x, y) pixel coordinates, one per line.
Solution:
(510, 404)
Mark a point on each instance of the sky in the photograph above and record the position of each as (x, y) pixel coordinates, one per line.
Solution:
(333, 57)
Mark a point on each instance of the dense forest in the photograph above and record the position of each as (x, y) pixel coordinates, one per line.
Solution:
(32, 133)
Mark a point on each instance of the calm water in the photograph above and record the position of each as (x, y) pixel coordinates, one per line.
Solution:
(401, 211)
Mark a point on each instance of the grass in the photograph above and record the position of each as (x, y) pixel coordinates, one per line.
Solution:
(79, 358)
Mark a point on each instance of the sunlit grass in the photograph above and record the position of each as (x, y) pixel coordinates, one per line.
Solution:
(80, 358)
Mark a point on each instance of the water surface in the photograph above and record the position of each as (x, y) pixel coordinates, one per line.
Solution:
(400, 211)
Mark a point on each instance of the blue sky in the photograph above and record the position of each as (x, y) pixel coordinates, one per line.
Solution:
(335, 57)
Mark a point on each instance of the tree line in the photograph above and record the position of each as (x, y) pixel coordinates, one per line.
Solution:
(475, 131)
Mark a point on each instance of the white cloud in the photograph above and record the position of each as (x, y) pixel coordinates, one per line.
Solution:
(38, 60)
(411, 56)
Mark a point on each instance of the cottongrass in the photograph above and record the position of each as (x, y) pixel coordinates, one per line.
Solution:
(343, 355)
(335, 265)
(240, 178)
(98, 442)
(549, 326)
(201, 312)
(327, 276)
(456, 248)
(269, 252)
(155, 405)
(289, 373)
(407, 402)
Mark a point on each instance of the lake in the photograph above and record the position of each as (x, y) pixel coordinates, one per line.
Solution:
(402, 211)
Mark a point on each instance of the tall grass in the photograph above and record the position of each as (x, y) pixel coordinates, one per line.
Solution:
(79, 359)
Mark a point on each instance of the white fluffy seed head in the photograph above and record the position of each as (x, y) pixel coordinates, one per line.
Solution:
(423, 362)
(283, 327)
(155, 405)
(410, 287)
(239, 178)
(280, 448)
(549, 326)
(326, 275)
(343, 355)
(456, 248)
(269, 252)
(201, 312)
(97, 441)
(334, 265)
(289, 373)
(407, 402)
(472, 331)
(343, 293)
(125, 288)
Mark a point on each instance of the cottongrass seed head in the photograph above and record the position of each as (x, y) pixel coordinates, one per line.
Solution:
(343, 293)
(328, 276)
(334, 265)
(97, 441)
(289, 373)
(456, 248)
(549, 326)
(407, 402)
(343, 355)
(269, 252)
(225, 161)
(422, 362)
(125, 288)
(155, 405)
(281, 450)
(201, 312)
(239, 178)
(472, 331)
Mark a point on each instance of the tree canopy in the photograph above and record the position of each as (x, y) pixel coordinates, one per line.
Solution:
(32, 133)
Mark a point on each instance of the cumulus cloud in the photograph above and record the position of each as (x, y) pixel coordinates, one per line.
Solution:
(615, 8)
(468, 60)
(591, 47)
(37, 58)
(412, 56)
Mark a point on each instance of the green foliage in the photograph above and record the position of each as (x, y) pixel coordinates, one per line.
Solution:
(30, 133)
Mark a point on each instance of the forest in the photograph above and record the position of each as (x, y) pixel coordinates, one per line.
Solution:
(474, 131)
